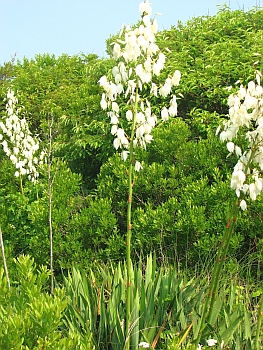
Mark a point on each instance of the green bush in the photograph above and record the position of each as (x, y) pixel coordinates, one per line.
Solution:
(30, 317)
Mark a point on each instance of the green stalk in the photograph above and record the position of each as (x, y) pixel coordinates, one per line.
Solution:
(221, 256)
(129, 225)
(21, 184)
(4, 259)
(50, 186)
(259, 325)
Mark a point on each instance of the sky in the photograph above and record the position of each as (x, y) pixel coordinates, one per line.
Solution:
(30, 27)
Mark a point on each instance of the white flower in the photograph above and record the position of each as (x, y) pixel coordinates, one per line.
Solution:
(146, 20)
(129, 115)
(120, 133)
(114, 129)
(137, 166)
(238, 151)
(115, 107)
(119, 88)
(165, 90)
(140, 132)
(13, 159)
(211, 342)
(116, 143)
(148, 138)
(145, 8)
(103, 102)
(115, 71)
(164, 114)
(157, 67)
(145, 345)
(116, 51)
(243, 204)
(154, 26)
(176, 78)
(140, 118)
(230, 146)
(117, 78)
(103, 81)
(161, 57)
(238, 179)
(154, 89)
(172, 111)
(124, 155)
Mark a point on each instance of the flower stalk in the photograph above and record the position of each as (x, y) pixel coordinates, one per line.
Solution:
(258, 340)
(138, 61)
(4, 258)
(219, 263)
(20, 147)
(245, 114)
(129, 217)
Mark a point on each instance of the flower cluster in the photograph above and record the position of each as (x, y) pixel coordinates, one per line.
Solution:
(138, 61)
(17, 142)
(246, 113)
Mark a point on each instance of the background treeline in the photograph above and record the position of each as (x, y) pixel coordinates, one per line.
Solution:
(181, 196)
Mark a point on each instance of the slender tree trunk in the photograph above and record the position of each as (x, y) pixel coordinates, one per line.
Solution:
(50, 228)
(4, 259)
(50, 185)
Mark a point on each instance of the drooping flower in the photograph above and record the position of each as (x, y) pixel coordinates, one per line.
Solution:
(138, 61)
(137, 166)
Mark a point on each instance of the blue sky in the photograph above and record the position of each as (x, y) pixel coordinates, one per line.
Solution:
(30, 27)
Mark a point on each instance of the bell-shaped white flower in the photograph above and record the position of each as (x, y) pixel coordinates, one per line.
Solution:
(124, 155)
(116, 51)
(230, 146)
(103, 81)
(243, 205)
(176, 78)
(103, 102)
(129, 115)
(165, 90)
(137, 166)
(115, 107)
(164, 114)
(145, 8)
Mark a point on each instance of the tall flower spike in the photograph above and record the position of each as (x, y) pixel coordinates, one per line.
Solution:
(138, 61)
(246, 112)
(18, 144)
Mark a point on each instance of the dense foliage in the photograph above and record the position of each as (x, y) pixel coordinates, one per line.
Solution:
(181, 196)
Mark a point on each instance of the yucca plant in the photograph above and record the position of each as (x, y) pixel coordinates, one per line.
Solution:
(158, 295)
(127, 94)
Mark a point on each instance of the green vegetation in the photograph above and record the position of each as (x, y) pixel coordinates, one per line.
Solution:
(181, 201)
